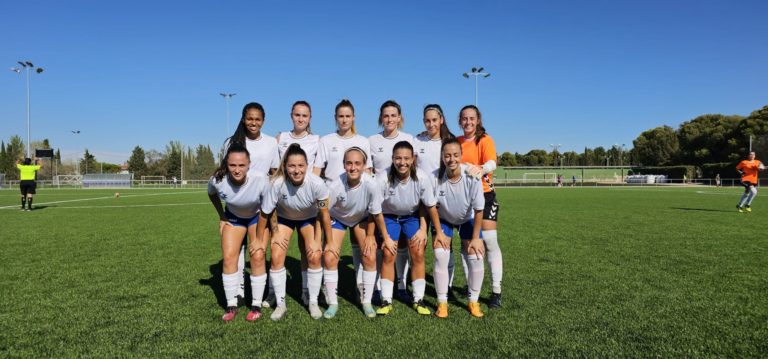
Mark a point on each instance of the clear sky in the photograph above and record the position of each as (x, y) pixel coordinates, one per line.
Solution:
(577, 73)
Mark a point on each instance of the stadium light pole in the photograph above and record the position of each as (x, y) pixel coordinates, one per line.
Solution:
(227, 98)
(555, 148)
(28, 66)
(476, 72)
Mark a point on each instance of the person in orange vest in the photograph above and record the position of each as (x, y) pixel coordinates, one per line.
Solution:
(748, 170)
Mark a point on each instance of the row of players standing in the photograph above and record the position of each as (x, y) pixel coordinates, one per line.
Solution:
(344, 159)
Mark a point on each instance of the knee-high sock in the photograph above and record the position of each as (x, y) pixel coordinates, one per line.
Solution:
(29, 202)
(278, 277)
(464, 266)
(314, 282)
(401, 267)
(369, 280)
(241, 270)
(258, 283)
(357, 263)
(442, 258)
(331, 279)
(493, 253)
(451, 267)
(419, 285)
(23, 202)
(476, 274)
(386, 290)
(752, 194)
(379, 258)
(744, 198)
(231, 282)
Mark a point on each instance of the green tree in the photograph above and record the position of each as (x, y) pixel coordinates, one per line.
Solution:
(657, 147)
(136, 163)
(507, 159)
(204, 163)
(755, 125)
(173, 158)
(88, 163)
(536, 158)
(706, 139)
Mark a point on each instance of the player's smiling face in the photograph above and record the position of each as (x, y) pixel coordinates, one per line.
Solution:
(751, 156)
(296, 168)
(237, 165)
(452, 156)
(353, 165)
(390, 119)
(432, 123)
(300, 116)
(468, 122)
(344, 119)
(253, 121)
(402, 158)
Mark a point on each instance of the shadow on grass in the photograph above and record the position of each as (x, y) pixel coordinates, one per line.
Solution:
(214, 282)
(701, 209)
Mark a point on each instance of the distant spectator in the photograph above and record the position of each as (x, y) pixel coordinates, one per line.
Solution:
(717, 180)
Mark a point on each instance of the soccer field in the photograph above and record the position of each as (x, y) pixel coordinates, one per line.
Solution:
(588, 272)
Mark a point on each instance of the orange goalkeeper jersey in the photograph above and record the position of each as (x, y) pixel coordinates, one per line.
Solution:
(749, 170)
(479, 154)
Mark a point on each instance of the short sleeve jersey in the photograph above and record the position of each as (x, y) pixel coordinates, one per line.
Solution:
(352, 205)
(403, 198)
(427, 152)
(457, 201)
(27, 172)
(263, 152)
(749, 170)
(330, 153)
(245, 200)
(308, 143)
(478, 154)
(381, 149)
(295, 202)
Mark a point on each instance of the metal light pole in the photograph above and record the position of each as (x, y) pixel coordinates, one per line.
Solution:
(26, 65)
(555, 148)
(476, 72)
(227, 97)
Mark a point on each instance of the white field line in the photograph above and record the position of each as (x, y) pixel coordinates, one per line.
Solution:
(98, 198)
(134, 205)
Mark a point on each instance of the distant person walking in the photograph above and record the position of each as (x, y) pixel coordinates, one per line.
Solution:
(748, 170)
(717, 180)
(28, 174)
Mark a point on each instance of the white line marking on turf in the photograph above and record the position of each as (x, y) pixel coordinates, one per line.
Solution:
(97, 198)
(135, 205)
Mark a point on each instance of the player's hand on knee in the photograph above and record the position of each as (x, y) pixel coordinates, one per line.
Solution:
(476, 247)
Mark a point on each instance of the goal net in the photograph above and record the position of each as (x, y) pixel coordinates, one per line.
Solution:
(539, 177)
(152, 180)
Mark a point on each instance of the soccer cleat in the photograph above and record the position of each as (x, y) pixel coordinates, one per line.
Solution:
(494, 301)
(385, 309)
(368, 310)
(421, 308)
(403, 296)
(270, 301)
(331, 311)
(229, 314)
(253, 314)
(279, 313)
(738, 208)
(314, 311)
(442, 310)
(474, 309)
(748, 208)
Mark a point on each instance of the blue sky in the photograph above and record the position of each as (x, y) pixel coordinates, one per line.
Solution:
(576, 73)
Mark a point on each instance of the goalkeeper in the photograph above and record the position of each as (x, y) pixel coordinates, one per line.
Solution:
(748, 169)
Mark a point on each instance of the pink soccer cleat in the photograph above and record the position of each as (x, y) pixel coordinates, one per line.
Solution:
(229, 314)
(253, 314)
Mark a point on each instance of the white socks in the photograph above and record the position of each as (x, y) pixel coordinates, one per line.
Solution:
(369, 280)
(386, 290)
(278, 278)
(314, 282)
(331, 279)
(476, 274)
(418, 289)
(402, 262)
(241, 270)
(451, 267)
(752, 194)
(357, 263)
(442, 258)
(258, 283)
(231, 284)
(493, 253)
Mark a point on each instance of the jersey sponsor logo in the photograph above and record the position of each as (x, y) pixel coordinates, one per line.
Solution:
(441, 194)
(381, 149)
(341, 199)
(334, 149)
(223, 195)
(284, 197)
(421, 150)
(391, 192)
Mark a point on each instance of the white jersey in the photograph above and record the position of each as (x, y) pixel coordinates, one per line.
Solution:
(263, 152)
(351, 205)
(245, 200)
(381, 149)
(330, 154)
(308, 143)
(427, 152)
(457, 202)
(295, 202)
(403, 198)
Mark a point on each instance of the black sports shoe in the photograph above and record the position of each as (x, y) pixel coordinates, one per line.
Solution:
(494, 301)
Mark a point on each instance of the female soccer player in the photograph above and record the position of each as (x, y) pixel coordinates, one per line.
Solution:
(460, 205)
(242, 189)
(391, 121)
(27, 183)
(356, 204)
(404, 189)
(330, 160)
(263, 152)
(301, 114)
(479, 154)
(299, 198)
(748, 170)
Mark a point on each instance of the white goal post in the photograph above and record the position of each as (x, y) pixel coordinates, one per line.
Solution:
(540, 177)
(152, 180)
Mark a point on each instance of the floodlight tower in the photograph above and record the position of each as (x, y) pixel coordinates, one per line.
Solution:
(476, 72)
(227, 97)
(555, 148)
(26, 65)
